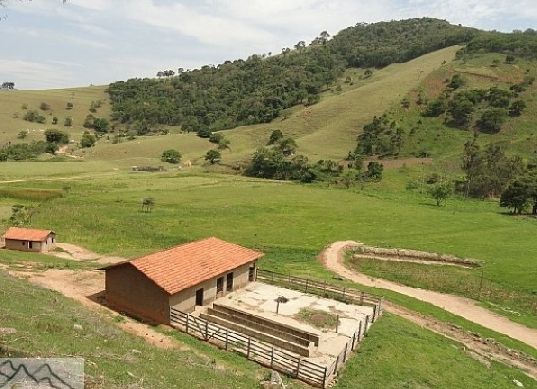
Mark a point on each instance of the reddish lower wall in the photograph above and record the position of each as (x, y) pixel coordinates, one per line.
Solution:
(130, 291)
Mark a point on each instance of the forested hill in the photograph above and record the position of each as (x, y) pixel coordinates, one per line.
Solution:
(255, 90)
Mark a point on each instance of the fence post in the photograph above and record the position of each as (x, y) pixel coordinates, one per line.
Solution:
(207, 330)
(359, 331)
(272, 357)
(227, 332)
(298, 367)
(366, 326)
(324, 376)
(353, 340)
(248, 349)
(187, 316)
(374, 313)
(337, 361)
(345, 352)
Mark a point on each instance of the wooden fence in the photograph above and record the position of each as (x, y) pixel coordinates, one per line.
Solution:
(264, 354)
(324, 289)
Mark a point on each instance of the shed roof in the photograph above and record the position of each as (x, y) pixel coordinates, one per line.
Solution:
(17, 233)
(189, 264)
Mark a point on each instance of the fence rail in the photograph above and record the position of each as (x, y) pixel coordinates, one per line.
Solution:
(267, 355)
(325, 289)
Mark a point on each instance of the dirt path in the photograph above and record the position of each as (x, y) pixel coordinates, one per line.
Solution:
(77, 253)
(333, 259)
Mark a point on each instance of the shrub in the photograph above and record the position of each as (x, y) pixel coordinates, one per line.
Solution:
(171, 156)
(213, 156)
(68, 121)
(56, 136)
(22, 134)
(44, 106)
(87, 140)
(69, 105)
(491, 120)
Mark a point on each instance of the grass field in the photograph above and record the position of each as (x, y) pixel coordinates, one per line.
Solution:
(100, 213)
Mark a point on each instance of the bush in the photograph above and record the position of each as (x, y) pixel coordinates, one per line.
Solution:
(275, 137)
(171, 156)
(56, 136)
(68, 121)
(54, 120)
(216, 138)
(204, 132)
(22, 134)
(491, 120)
(88, 121)
(34, 116)
(69, 105)
(87, 140)
(213, 156)
(101, 125)
(44, 106)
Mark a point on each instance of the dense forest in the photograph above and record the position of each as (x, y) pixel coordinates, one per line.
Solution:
(255, 90)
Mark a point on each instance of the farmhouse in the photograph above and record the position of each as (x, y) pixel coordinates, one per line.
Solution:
(27, 239)
(182, 277)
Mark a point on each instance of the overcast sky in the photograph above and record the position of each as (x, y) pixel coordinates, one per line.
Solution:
(48, 44)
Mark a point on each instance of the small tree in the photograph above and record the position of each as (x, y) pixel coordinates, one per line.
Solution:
(216, 138)
(224, 144)
(69, 105)
(87, 140)
(287, 146)
(101, 125)
(88, 121)
(517, 107)
(213, 156)
(374, 171)
(440, 191)
(491, 120)
(56, 136)
(171, 156)
(148, 203)
(515, 196)
(68, 121)
(275, 137)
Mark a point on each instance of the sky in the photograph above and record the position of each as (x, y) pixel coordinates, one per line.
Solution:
(48, 44)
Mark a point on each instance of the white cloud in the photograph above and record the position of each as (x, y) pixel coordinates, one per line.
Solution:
(124, 38)
(38, 75)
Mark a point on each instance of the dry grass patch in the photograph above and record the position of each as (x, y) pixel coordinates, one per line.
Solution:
(318, 318)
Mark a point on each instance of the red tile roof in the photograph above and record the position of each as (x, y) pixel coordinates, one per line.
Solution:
(186, 265)
(17, 233)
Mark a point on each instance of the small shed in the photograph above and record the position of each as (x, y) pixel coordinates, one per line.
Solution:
(183, 277)
(28, 239)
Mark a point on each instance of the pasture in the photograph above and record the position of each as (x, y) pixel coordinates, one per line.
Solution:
(290, 222)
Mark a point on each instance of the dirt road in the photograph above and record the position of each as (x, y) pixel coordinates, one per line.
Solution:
(467, 308)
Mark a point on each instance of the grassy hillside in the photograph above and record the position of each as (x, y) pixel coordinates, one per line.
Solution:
(326, 130)
(115, 359)
(12, 111)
